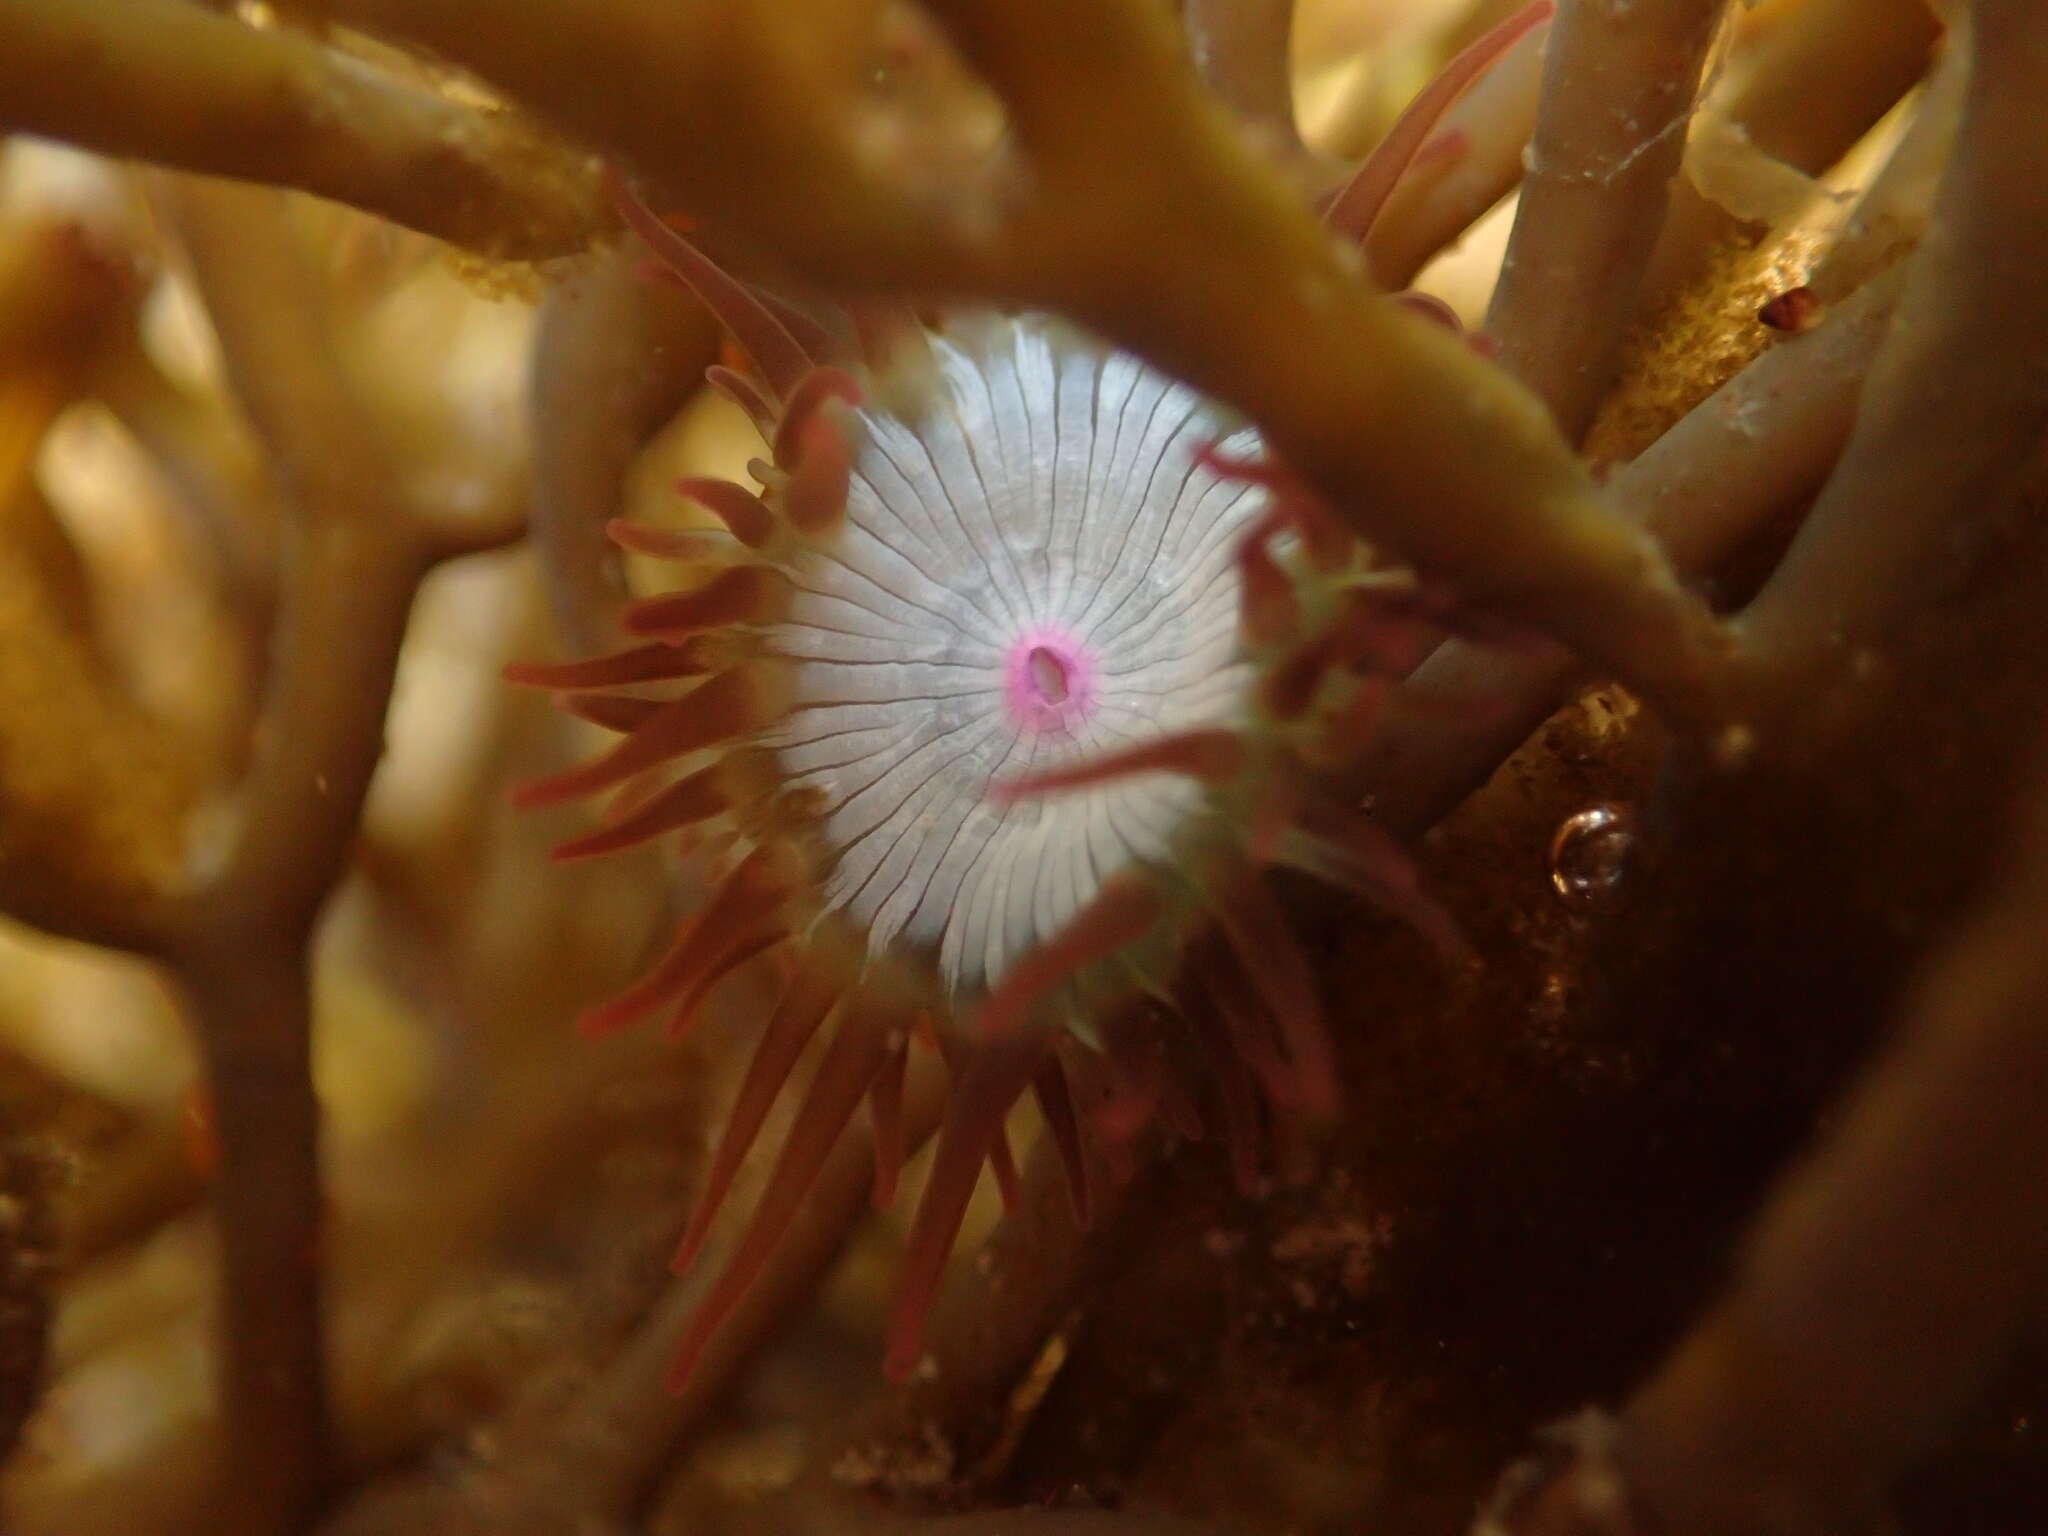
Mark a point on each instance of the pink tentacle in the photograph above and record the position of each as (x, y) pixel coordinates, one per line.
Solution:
(736, 953)
(658, 662)
(818, 388)
(1211, 756)
(740, 594)
(776, 355)
(1120, 914)
(1353, 209)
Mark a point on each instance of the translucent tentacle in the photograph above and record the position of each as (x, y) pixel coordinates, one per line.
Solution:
(744, 514)
(693, 545)
(1237, 1098)
(816, 340)
(744, 393)
(776, 354)
(1002, 1167)
(1235, 1010)
(1357, 854)
(624, 714)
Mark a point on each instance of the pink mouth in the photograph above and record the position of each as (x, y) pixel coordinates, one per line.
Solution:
(1048, 682)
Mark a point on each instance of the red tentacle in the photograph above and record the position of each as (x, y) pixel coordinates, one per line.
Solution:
(804, 1007)
(658, 662)
(857, 1053)
(721, 707)
(1056, 1103)
(885, 1109)
(1002, 1067)
(748, 901)
(684, 803)
(1275, 965)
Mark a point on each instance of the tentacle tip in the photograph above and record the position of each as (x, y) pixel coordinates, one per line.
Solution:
(1319, 1101)
(683, 1367)
(906, 1361)
(601, 1022)
(537, 794)
(684, 1259)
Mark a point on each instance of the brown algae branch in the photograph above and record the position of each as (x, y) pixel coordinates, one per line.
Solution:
(239, 940)
(353, 553)
(1790, 104)
(1815, 82)
(1619, 86)
(94, 793)
(1956, 400)
(1759, 445)
(172, 82)
(602, 1456)
(1893, 211)
(1243, 48)
(614, 355)
(1889, 1275)
(1431, 452)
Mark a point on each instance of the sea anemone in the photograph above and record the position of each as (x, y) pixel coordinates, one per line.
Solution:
(983, 709)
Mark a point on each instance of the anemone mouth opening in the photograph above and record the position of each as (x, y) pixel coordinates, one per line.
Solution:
(1049, 674)
(1049, 683)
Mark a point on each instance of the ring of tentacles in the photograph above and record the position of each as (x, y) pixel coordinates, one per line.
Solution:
(987, 712)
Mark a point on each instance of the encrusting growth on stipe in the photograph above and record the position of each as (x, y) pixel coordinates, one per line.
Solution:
(977, 712)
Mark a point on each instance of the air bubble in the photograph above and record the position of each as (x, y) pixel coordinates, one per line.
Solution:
(1590, 852)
